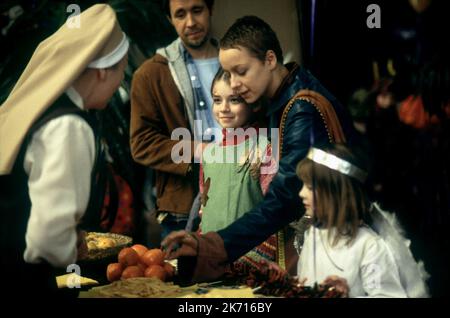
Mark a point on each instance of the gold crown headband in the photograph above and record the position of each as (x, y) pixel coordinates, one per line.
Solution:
(336, 163)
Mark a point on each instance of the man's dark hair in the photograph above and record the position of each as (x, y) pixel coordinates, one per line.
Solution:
(166, 6)
(254, 34)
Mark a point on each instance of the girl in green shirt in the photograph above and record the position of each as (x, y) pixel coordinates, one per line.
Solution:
(237, 169)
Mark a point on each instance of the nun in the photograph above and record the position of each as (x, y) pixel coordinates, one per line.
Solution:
(50, 151)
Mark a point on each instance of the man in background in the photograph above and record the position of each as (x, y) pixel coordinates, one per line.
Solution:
(170, 91)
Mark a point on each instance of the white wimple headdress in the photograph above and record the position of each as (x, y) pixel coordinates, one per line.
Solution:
(336, 163)
(59, 60)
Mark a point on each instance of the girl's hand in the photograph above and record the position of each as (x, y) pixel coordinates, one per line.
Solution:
(339, 283)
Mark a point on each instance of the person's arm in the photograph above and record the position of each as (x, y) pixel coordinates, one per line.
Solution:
(150, 140)
(200, 257)
(58, 161)
(281, 204)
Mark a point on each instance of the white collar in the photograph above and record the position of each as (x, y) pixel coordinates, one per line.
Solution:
(75, 97)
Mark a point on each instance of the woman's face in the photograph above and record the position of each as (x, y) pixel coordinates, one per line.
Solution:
(230, 109)
(250, 77)
(306, 195)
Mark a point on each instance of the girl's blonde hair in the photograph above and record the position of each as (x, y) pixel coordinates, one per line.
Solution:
(340, 202)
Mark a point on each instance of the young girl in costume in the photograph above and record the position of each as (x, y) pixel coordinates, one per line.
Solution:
(352, 244)
(236, 171)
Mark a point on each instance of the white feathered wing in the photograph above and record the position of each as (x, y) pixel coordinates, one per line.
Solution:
(412, 274)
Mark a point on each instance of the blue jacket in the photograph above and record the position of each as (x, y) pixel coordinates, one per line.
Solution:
(304, 127)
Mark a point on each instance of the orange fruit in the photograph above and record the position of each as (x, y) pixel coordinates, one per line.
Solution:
(156, 271)
(153, 257)
(128, 257)
(140, 249)
(142, 266)
(132, 271)
(113, 272)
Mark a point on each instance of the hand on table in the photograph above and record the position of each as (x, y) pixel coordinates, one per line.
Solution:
(339, 283)
(179, 243)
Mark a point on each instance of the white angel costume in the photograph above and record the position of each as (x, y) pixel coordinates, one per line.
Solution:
(377, 263)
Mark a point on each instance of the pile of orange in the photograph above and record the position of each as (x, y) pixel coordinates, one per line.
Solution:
(138, 261)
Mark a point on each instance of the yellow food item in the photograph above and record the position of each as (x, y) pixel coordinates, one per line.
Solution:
(91, 245)
(64, 281)
(95, 242)
(105, 242)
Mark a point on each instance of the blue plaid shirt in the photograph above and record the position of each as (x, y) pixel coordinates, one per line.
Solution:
(202, 104)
